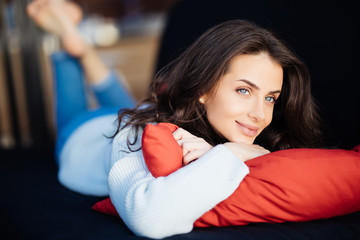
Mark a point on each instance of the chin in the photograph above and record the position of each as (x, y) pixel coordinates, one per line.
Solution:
(244, 140)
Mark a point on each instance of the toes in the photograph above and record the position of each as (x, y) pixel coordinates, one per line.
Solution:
(35, 6)
(74, 12)
(32, 8)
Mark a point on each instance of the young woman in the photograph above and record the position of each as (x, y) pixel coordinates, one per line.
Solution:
(237, 85)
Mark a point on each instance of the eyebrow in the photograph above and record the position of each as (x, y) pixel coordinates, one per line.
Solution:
(256, 86)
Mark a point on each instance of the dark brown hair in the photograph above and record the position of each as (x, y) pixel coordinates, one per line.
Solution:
(176, 89)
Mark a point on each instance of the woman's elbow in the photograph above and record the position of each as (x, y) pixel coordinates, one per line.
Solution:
(150, 232)
(150, 229)
(153, 227)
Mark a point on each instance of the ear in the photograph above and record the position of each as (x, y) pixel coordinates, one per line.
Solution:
(203, 98)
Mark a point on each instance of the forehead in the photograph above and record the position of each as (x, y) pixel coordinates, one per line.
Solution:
(259, 68)
(251, 61)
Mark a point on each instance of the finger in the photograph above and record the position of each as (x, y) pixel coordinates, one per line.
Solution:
(266, 151)
(261, 149)
(188, 145)
(190, 141)
(192, 156)
(185, 146)
(181, 133)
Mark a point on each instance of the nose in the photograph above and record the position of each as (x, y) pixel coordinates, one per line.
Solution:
(257, 110)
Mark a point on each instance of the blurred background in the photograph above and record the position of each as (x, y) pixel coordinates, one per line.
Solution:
(126, 34)
(138, 37)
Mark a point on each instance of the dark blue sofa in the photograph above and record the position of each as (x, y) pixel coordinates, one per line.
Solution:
(34, 205)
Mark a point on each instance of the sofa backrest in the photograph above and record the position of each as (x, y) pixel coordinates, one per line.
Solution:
(323, 34)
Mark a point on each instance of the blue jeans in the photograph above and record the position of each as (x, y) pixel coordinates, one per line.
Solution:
(71, 101)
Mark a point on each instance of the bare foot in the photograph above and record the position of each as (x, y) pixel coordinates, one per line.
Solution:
(60, 17)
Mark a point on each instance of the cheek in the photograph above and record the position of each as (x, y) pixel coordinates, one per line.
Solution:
(268, 117)
(224, 107)
(234, 109)
(218, 113)
(215, 106)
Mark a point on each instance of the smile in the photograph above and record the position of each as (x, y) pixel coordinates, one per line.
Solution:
(247, 129)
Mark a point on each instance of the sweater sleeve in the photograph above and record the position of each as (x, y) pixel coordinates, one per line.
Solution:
(165, 206)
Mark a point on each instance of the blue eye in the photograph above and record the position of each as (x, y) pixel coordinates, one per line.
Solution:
(243, 91)
(270, 99)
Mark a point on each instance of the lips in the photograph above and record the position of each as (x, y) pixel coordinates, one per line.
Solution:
(247, 129)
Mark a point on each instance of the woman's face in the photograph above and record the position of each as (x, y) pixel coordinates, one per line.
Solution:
(243, 103)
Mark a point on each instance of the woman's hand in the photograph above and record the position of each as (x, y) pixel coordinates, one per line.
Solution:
(245, 151)
(193, 147)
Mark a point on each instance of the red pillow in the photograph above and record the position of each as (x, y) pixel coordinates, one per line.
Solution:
(287, 185)
(162, 153)
(292, 185)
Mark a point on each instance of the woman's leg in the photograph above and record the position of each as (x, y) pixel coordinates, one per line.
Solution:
(70, 96)
(61, 18)
(80, 61)
(112, 93)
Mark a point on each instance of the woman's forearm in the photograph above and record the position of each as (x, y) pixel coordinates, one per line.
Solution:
(164, 206)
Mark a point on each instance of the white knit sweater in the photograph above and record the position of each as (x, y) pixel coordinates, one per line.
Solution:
(165, 206)
(152, 207)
